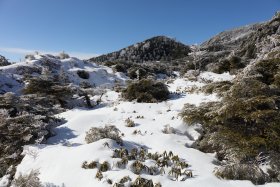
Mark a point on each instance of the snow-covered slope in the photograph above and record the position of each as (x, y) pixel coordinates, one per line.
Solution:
(101, 76)
(60, 161)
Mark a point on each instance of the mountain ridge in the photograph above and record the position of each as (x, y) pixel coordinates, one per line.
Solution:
(153, 49)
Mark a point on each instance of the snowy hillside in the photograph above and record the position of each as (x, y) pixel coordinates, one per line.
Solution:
(60, 160)
(99, 76)
(157, 113)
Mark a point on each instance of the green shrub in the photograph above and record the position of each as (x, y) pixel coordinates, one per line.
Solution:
(49, 88)
(229, 65)
(146, 90)
(235, 63)
(105, 166)
(95, 134)
(83, 74)
(268, 69)
(120, 68)
(217, 87)
(30, 180)
(134, 73)
(63, 55)
(243, 172)
(244, 123)
(223, 66)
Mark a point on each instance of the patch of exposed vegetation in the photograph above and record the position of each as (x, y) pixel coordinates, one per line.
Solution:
(83, 74)
(129, 123)
(244, 124)
(24, 120)
(134, 160)
(146, 90)
(217, 87)
(97, 133)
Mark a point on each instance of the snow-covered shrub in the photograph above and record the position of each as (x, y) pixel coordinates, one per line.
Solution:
(49, 65)
(125, 179)
(136, 73)
(102, 167)
(166, 160)
(139, 181)
(274, 170)
(29, 57)
(242, 172)
(97, 133)
(137, 167)
(4, 61)
(146, 90)
(27, 70)
(85, 85)
(105, 166)
(99, 175)
(63, 55)
(83, 74)
(192, 75)
(168, 130)
(29, 180)
(91, 165)
(129, 123)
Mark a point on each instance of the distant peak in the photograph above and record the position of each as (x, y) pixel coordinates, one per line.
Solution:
(157, 48)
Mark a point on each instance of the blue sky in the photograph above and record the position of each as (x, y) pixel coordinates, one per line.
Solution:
(87, 27)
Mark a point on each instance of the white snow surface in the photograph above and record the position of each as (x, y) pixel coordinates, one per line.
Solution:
(59, 161)
(213, 77)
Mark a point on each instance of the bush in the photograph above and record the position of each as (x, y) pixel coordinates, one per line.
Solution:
(105, 166)
(63, 55)
(274, 170)
(129, 123)
(4, 61)
(120, 68)
(50, 88)
(111, 132)
(217, 87)
(244, 123)
(91, 165)
(135, 73)
(83, 74)
(29, 57)
(30, 180)
(222, 66)
(228, 65)
(146, 90)
(235, 63)
(243, 172)
(168, 130)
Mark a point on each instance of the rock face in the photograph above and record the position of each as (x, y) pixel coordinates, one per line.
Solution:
(154, 49)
